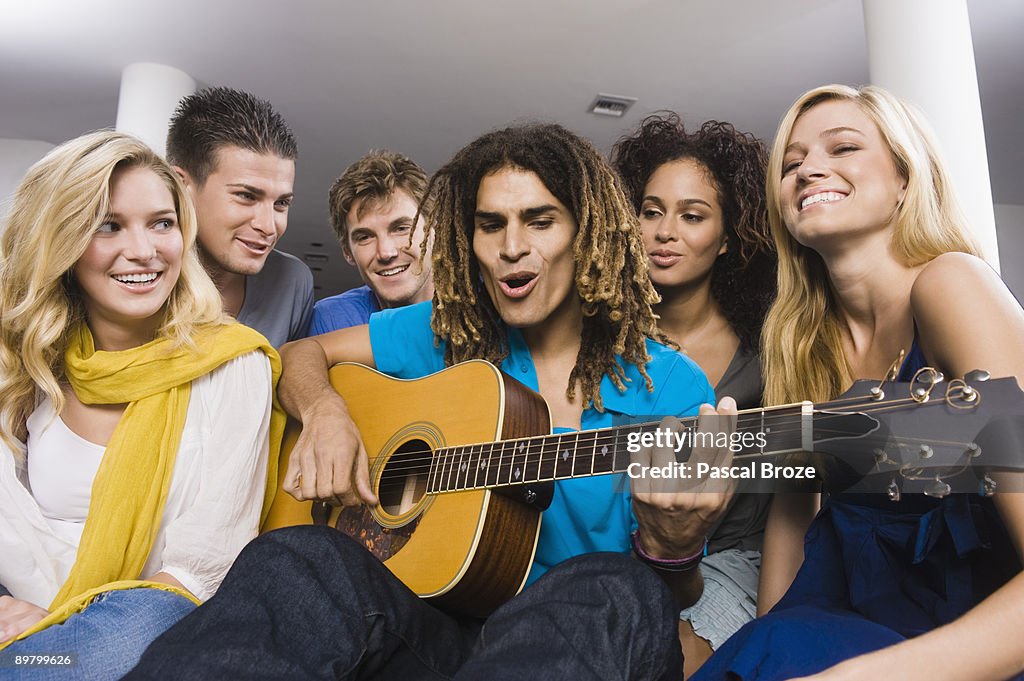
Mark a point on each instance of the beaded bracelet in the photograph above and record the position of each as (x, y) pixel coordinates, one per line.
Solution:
(684, 564)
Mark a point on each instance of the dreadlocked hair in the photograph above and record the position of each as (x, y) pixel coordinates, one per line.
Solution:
(611, 266)
(735, 164)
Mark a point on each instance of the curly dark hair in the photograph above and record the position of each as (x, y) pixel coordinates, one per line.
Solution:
(611, 265)
(742, 278)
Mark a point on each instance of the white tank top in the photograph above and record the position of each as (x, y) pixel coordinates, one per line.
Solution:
(61, 470)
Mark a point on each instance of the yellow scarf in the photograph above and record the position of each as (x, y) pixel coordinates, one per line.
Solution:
(131, 485)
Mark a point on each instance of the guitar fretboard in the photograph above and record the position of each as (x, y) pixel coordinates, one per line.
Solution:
(581, 454)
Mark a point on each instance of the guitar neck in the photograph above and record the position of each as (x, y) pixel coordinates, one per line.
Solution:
(587, 453)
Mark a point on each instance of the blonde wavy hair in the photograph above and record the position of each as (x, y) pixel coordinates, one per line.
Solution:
(57, 208)
(802, 337)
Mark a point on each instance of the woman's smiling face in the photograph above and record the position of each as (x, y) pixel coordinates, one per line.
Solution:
(839, 179)
(132, 263)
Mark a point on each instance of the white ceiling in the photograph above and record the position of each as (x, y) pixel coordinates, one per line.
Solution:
(424, 78)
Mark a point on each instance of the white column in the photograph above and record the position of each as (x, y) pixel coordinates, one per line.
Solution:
(921, 51)
(149, 95)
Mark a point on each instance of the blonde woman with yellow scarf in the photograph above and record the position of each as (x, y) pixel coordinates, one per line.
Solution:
(136, 420)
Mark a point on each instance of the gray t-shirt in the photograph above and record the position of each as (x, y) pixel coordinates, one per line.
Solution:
(279, 300)
(742, 527)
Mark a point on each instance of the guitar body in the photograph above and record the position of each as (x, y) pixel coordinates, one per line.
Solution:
(467, 551)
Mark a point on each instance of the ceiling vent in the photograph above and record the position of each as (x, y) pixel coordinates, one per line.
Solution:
(611, 105)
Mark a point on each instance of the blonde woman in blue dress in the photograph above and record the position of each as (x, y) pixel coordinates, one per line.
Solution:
(875, 257)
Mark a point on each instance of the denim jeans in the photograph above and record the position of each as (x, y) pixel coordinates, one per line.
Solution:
(309, 603)
(106, 639)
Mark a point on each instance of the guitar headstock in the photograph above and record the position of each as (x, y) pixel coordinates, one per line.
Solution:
(932, 436)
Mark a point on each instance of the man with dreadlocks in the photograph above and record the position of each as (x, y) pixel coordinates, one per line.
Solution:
(538, 268)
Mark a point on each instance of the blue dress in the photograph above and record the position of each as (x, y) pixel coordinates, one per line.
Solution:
(875, 572)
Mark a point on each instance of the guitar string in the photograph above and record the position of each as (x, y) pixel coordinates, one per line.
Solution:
(423, 460)
(507, 458)
(542, 470)
(609, 435)
(750, 418)
(462, 481)
(473, 470)
(747, 422)
(957, 467)
(744, 425)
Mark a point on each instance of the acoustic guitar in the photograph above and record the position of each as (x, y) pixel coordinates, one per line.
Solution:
(442, 447)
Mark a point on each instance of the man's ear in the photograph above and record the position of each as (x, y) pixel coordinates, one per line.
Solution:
(185, 177)
(348, 254)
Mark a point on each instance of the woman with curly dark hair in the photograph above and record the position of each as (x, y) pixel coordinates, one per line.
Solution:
(701, 201)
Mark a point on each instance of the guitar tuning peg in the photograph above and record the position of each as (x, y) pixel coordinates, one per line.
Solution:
(924, 381)
(978, 375)
(988, 486)
(894, 369)
(891, 375)
(937, 488)
(961, 395)
(894, 491)
(931, 377)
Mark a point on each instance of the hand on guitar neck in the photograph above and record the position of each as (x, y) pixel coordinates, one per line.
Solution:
(675, 515)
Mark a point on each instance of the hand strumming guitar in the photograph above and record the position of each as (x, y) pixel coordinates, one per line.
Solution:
(328, 461)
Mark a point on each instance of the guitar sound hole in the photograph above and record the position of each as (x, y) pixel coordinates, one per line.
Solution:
(404, 480)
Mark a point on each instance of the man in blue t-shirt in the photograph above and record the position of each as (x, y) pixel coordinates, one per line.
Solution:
(546, 277)
(376, 215)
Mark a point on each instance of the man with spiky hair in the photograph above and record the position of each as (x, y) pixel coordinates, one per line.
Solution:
(237, 158)
(538, 267)
(379, 222)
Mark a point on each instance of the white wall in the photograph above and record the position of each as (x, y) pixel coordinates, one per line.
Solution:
(16, 156)
(1010, 228)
